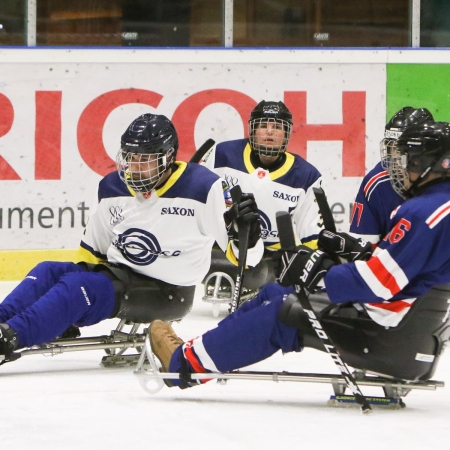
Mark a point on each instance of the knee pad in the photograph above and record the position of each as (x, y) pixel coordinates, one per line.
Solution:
(291, 312)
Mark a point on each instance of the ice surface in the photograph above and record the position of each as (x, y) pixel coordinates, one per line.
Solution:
(70, 402)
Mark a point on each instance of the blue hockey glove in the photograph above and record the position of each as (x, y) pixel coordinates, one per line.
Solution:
(302, 266)
(343, 245)
(244, 211)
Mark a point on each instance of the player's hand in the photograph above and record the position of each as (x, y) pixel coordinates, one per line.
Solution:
(343, 245)
(301, 266)
(244, 211)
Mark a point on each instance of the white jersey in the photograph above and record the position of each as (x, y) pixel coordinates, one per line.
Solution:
(167, 236)
(286, 188)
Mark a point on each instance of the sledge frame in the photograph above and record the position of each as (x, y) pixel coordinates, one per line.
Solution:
(151, 379)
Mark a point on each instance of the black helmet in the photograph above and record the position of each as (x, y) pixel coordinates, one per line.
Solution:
(408, 116)
(422, 148)
(148, 135)
(275, 110)
(427, 146)
(265, 113)
(398, 123)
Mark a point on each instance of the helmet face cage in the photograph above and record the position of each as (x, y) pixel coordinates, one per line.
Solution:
(386, 145)
(270, 142)
(398, 123)
(395, 163)
(141, 172)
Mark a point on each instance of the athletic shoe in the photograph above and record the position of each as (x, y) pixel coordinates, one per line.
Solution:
(163, 341)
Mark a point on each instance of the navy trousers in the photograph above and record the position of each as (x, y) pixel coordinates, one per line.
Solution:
(249, 335)
(54, 296)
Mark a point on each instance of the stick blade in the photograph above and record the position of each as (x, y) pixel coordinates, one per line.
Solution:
(200, 153)
(285, 229)
(325, 210)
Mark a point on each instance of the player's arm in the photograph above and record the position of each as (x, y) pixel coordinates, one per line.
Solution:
(395, 262)
(363, 221)
(369, 209)
(222, 219)
(385, 275)
(96, 238)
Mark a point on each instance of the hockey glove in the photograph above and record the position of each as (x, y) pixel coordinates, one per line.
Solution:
(304, 267)
(244, 211)
(345, 246)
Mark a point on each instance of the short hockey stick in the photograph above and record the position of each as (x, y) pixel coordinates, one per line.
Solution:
(201, 152)
(287, 241)
(324, 209)
(243, 234)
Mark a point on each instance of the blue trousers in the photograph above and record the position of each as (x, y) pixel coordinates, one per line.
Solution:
(54, 296)
(249, 335)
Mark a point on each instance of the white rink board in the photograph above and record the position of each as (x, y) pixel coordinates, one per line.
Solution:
(55, 104)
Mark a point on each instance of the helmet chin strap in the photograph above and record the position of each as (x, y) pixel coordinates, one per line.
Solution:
(412, 190)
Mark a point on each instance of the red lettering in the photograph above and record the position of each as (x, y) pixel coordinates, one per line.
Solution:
(398, 232)
(186, 115)
(47, 136)
(357, 208)
(351, 132)
(92, 121)
(7, 115)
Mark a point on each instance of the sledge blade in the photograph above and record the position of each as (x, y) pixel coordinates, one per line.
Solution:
(120, 360)
(350, 400)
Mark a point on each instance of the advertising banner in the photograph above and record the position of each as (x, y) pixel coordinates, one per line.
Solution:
(420, 86)
(61, 124)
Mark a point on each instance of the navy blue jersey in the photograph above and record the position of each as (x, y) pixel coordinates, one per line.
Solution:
(374, 203)
(411, 259)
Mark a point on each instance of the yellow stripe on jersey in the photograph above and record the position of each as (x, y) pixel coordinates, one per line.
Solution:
(283, 170)
(173, 178)
(247, 162)
(230, 255)
(313, 244)
(131, 191)
(87, 256)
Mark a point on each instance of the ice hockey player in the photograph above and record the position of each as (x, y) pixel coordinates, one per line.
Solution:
(376, 199)
(381, 288)
(279, 180)
(147, 244)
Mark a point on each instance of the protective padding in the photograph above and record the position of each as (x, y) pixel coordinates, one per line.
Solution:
(142, 299)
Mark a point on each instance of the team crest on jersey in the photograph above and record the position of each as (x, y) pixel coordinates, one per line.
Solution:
(266, 226)
(230, 180)
(261, 174)
(140, 247)
(116, 214)
(227, 195)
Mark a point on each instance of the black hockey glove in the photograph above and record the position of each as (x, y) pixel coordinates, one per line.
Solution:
(342, 245)
(244, 211)
(302, 266)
